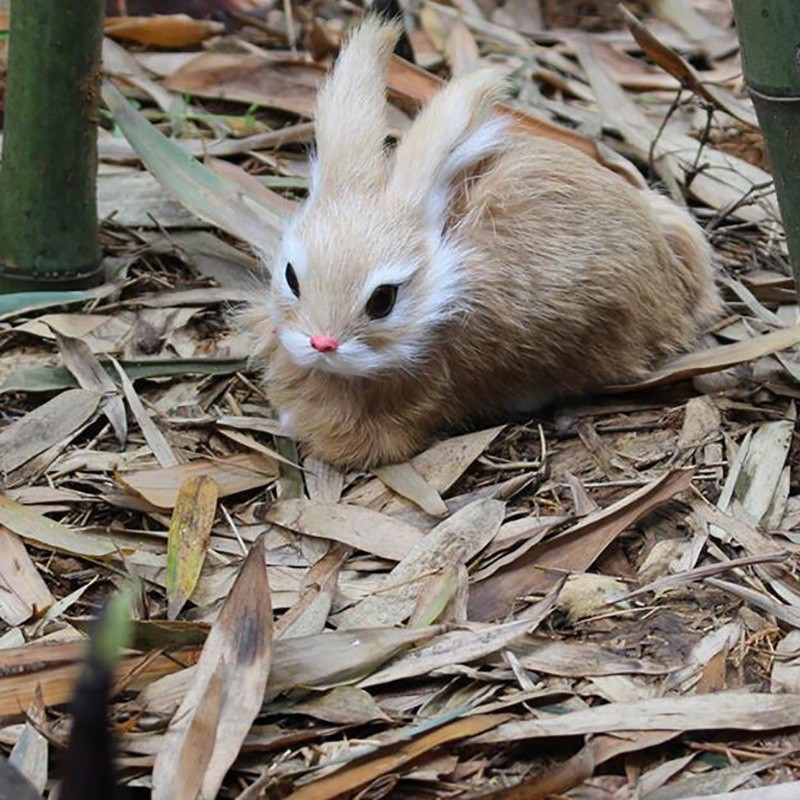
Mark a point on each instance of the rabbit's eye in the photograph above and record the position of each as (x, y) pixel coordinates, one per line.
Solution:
(381, 301)
(291, 279)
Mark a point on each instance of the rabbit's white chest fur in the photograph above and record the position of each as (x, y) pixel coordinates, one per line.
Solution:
(473, 272)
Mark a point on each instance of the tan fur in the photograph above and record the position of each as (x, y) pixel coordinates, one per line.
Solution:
(570, 279)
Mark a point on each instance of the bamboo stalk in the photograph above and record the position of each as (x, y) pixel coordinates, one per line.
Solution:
(769, 33)
(48, 205)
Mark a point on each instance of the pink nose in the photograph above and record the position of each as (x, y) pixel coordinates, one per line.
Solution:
(325, 344)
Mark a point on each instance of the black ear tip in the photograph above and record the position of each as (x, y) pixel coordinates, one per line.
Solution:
(390, 10)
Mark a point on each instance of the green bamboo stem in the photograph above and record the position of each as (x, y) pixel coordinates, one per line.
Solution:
(48, 201)
(769, 33)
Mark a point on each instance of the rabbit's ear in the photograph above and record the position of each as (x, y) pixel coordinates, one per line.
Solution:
(350, 119)
(455, 130)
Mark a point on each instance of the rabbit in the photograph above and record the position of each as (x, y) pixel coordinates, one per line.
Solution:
(471, 272)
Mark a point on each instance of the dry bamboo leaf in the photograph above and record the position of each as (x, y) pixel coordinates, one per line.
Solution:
(153, 436)
(189, 532)
(53, 668)
(83, 364)
(440, 465)
(762, 467)
(718, 780)
(781, 611)
(288, 86)
(408, 483)
(322, 660)
(23, 592)
(51, 535)
(725, 710)
(679, 68)
(169, 30)
(786, 666)
(700, 422)
(573, 551)
(253, 444)
(47, 425)
(317, 590)
(452, 648)
(324, 482)
(351, 525)
(580, 767)
(344, 705)
(359, 773)
(579, 659)
(236, 656)
(438, 592)
(724, 179)
(117, 61)
(685, 17)
(718, 641)
(232, 475)
(198, 745)
(716, 359)
(29, 755)
(454, 541)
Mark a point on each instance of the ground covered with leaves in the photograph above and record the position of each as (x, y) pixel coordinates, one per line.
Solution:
(600, 602)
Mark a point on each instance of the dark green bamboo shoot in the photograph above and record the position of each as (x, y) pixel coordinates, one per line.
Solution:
(48, 205)
(769, 32)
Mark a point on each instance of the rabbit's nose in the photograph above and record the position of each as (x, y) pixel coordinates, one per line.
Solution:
(325, 344)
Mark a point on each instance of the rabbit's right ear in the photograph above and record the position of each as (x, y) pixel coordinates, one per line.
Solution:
(454, 131)
(351, 118)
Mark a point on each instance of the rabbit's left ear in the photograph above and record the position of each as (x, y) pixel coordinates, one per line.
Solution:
(350, 119)
(454, 131)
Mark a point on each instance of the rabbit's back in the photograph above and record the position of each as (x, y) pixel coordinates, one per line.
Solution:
(571, 283)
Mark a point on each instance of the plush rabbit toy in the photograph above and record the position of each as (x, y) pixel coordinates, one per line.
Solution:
(471, 272)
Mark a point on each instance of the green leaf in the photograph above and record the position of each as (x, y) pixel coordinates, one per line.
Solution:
(209, 195)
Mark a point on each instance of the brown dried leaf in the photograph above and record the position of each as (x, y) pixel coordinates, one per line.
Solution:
(365, 770)
(232, 475)
(236, 657)
(679, 68)
(317, 590)
(574, 550)
(170, 30)
(288, 86)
